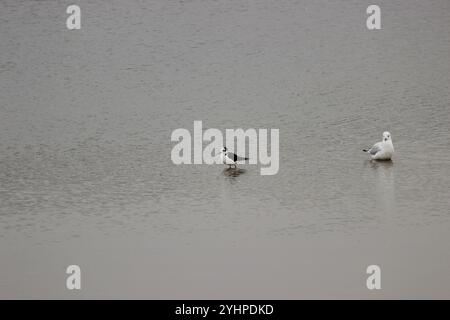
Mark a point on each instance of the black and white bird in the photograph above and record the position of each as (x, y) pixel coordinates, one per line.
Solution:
(383, 150)
(230, 158)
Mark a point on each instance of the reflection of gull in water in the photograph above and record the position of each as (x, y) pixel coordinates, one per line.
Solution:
(383, 150)
(381, 164)
(233, 172)
(383, 180)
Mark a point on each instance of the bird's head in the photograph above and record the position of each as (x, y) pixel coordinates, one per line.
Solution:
(224, 149)
(386, 136)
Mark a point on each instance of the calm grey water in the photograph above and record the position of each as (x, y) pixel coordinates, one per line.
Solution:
(86, 176)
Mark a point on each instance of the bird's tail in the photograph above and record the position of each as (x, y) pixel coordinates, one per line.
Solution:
(246, 159)
(365, 150)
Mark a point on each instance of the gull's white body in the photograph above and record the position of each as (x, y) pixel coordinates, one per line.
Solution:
(226, 159)
(230, 158)
(383, 150)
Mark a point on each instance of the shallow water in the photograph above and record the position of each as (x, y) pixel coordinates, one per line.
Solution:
(86, 177)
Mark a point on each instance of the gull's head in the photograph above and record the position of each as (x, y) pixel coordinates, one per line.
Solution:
(224, 149)
(386, 136)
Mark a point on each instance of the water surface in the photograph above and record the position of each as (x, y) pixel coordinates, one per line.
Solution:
(86, 177)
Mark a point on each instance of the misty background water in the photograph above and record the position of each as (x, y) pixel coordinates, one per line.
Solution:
(86, 176)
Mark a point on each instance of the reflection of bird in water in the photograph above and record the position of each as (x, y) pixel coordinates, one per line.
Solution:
(230, 158)
(380, 164)
(383, 180)
(383, 150)
(233, 172)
